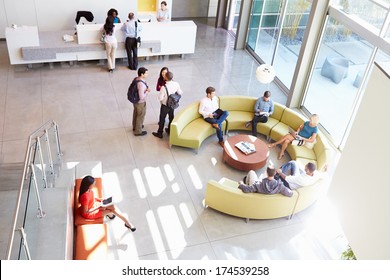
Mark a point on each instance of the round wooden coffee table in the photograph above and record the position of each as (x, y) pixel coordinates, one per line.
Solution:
(237, 159)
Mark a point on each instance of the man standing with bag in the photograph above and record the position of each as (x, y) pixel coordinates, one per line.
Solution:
(169, 88)
(131, 29)
(139, 111)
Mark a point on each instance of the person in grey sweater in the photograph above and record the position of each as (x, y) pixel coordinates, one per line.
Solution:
(267, 185)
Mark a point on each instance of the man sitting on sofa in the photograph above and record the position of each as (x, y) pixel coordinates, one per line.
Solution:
(209, 109)
(264, 107)
(294, 176)
(267, 185)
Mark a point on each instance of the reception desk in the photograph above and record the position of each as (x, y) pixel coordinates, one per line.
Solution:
(26, 45)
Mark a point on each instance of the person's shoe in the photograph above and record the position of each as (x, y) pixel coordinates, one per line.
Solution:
(247, 124)
(158, 135)
(215, 126)
(221, 143)
(110, 70)
(131, 228)
(141, 134)
(134, 127)
(111, 217)
(167, 130)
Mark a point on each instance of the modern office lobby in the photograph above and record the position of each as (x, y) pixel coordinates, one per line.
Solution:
(160, 189)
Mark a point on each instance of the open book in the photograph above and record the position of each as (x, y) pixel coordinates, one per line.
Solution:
(105, 202)
(246, 147)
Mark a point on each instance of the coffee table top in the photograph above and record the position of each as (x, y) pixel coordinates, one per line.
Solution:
(237, 159)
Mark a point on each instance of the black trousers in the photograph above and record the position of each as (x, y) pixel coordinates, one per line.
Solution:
(164, 111)
(132, 52)
(257, 119)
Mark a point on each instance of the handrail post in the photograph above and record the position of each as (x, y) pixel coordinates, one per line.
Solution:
(39, 147)
(24, 242)
(48, 151)
(40, 214)
(57, 135)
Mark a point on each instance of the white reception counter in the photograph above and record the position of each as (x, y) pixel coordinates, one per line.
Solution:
(26, 45)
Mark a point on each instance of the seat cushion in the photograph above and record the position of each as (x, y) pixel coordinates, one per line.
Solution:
(91, 242)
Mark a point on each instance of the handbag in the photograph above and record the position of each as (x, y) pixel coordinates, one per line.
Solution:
(138, 39)
(103, 37)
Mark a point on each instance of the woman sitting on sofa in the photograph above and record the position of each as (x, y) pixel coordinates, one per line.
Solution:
(88, 201)
(307, 132)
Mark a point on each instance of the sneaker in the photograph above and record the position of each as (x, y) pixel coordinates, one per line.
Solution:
(142, 133)
(158, 135)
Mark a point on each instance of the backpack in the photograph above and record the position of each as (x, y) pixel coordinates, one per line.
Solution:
(132, 92)
(173, 99)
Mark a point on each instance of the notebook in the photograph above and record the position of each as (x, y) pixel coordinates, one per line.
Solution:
(217, 113)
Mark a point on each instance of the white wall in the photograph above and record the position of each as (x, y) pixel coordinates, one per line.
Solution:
(190, 8)
(360, 187)
(51, 15)
(213, 5)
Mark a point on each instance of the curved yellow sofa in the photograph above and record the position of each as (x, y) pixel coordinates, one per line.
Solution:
(188, 129)
(226, 197)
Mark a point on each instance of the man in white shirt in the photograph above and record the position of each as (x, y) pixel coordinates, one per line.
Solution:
(169, 88)
(163, 13)
(209, 109)
(298, 177)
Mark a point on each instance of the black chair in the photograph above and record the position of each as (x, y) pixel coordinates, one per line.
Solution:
(86, 14)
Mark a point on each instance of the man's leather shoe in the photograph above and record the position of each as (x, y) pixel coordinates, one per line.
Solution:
(141, 134)
(134, 127)
(215, 126)
(221, 143)
(158, 135)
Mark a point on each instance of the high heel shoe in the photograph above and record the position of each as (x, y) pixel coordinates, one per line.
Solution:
(111, 217)
(130, 228)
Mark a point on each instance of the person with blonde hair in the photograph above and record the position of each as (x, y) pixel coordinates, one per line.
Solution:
(306, 133)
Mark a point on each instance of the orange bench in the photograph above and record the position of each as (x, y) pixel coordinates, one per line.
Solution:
(91, 242)
(90, 234)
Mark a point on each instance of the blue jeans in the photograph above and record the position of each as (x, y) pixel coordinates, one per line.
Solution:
(289, 168)
(218, 121)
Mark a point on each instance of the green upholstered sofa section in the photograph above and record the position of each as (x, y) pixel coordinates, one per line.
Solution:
(226, 197)
(189, 129)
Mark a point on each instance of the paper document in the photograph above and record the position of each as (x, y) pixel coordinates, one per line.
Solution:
(246, 147)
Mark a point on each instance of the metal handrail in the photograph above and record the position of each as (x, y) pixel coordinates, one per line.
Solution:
(43, 128)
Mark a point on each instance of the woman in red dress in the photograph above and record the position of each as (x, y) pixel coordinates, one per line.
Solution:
(88, 201)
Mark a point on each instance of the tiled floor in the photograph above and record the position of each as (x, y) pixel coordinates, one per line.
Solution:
(161, 190)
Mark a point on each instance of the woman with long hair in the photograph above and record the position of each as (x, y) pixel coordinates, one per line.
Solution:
(161, 79)
(110, 42)
(88, 201)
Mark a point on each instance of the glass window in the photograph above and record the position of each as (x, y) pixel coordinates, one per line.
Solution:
(280, 49)
(371, 11)
(294, 26)
(338, 73)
